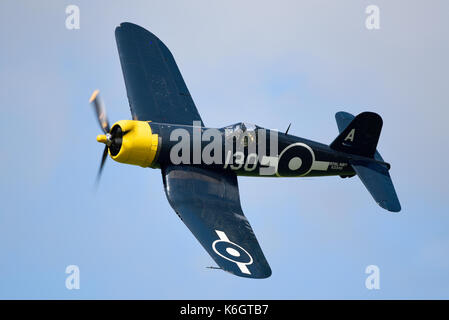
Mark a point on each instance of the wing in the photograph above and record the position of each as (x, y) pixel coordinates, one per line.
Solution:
(156, 90)
(208, 203)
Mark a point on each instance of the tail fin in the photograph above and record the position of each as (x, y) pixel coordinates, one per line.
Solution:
(360, 136)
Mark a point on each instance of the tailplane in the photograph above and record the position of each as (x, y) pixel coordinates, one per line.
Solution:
(377, 180)
(359, 136)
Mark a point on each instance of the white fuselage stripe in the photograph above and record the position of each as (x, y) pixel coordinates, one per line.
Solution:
(320, 165)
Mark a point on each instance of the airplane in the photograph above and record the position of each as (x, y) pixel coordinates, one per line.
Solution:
(200, 165)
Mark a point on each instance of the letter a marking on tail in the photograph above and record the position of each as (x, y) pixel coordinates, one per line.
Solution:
(350, 135)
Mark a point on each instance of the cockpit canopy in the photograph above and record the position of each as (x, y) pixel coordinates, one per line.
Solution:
(242, 127)
(243, 133)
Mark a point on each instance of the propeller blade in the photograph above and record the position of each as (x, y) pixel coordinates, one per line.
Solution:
(100, 110)
(103, 160)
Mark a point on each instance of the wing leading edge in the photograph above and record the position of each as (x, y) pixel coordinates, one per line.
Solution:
(208, 203)
(155, 88)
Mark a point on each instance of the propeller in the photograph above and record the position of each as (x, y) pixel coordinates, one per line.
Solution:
(100, 110)
(103, 160)
(112, 138)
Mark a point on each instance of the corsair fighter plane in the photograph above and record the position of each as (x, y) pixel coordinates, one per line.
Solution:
(200, 165)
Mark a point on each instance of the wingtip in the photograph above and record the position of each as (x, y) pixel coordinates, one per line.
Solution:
(263, 275)
(395, 209)
(126, 27)
(392, 207)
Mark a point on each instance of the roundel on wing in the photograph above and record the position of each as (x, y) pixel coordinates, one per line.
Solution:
(232, 252)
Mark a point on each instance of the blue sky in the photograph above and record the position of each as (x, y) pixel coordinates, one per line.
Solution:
(266, 62)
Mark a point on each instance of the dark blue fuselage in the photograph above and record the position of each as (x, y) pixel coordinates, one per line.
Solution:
(248, 151)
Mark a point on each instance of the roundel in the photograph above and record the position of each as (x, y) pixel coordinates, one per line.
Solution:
(295, 160)
(232, 252)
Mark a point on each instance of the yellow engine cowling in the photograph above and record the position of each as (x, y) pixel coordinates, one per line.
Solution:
(139, 144)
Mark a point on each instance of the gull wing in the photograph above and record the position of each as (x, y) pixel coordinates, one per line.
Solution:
(156, 90)
(208, 203)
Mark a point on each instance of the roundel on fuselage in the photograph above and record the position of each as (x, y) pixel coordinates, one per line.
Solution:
(295, 160)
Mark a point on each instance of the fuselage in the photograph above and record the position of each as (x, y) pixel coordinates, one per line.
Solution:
(246, 149)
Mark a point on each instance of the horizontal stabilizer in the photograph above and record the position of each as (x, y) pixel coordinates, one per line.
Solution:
(377, 180)
(373, 173)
